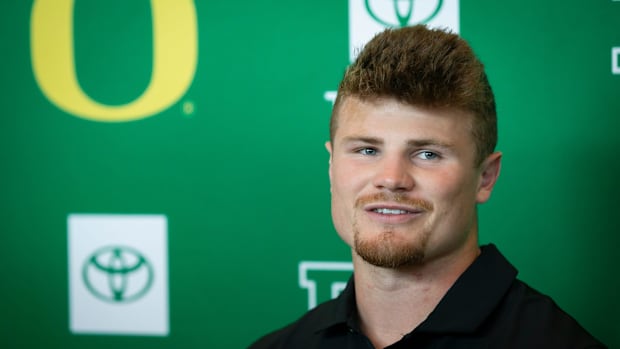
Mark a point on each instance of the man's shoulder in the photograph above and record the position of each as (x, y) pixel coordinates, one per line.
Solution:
(491, 303)
(534, 317)
(301, 331)
(273, 340)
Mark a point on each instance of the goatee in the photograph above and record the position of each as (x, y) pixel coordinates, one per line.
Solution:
(386, 248)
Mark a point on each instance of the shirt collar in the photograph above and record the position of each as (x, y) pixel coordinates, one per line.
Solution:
(464, 307)
(341, 313)
(474, 295)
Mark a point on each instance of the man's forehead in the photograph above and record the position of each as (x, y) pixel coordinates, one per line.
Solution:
(355, 109)
(386, 119)
(354, 103)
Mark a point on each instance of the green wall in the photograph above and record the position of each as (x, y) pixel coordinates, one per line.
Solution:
(238, 167)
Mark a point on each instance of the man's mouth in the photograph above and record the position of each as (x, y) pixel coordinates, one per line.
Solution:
(390, 211)
(393, 213)
(393, 205)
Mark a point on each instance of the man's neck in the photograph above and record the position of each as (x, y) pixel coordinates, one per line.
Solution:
(393, 302)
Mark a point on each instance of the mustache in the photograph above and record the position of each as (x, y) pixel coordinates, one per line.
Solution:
(393, 197)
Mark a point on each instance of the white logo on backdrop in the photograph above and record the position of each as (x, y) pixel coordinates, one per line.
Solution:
(615, 57)
(118, 274)
(313, 284)
(369, 17)
(615, 60)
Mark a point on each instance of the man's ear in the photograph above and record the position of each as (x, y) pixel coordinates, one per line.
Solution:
(489, 172)
(328, 146)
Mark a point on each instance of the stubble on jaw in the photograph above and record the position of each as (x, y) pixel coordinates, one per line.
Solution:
(385, 247)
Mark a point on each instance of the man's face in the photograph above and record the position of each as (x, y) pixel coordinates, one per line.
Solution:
(404, 181)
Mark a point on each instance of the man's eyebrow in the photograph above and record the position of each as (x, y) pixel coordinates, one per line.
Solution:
(429, 142)
(414, 143)
(362, 139)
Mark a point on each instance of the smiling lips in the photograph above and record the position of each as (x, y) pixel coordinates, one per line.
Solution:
(393, 207)
(396, 208)
(390, 211)
(393, 213)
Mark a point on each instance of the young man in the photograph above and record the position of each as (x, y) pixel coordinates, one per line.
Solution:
(412, 153)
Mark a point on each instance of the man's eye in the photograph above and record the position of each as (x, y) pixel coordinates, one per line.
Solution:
(367, 151)
(428, 155)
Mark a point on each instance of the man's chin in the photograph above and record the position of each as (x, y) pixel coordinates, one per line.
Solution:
(385, 252)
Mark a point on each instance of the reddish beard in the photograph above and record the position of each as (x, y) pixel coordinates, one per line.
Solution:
(386, 248)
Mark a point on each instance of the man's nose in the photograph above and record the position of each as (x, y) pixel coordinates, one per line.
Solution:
(394, 173)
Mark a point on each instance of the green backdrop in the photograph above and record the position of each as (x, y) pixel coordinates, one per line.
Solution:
(238, 167)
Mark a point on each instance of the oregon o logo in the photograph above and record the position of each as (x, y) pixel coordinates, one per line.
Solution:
(117, 274)
(174, 60)
(403, 15)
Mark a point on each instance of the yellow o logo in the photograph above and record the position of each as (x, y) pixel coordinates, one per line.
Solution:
(174, 60)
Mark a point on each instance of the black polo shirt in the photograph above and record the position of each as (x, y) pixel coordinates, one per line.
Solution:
(487, 307)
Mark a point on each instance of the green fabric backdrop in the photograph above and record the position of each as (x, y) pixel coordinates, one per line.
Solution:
(237, 165)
